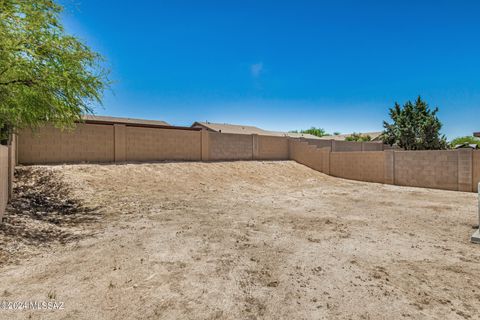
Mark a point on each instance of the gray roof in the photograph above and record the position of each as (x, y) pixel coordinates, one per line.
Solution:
(107, 119)
(244, 129)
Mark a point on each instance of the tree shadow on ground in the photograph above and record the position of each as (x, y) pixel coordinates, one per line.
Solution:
(42, 211)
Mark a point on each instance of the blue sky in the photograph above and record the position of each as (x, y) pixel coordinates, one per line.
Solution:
(285, 65)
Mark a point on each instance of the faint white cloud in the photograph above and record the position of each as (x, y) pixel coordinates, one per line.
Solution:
(256, 69)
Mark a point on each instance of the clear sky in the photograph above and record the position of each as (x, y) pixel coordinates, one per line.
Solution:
(285, 65)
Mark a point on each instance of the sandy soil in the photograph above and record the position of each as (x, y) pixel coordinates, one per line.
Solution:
(244, 240)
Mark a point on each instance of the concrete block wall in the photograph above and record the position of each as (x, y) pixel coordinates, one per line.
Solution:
(346, 146)
(226, 146)
(12, 162)
(465, 170)
(4, 178)
(122, 142)
(429, 169)
(362, 166)
(87, 143)
(156, 144)
(373, 146)
(457, 170)
(450, 170)
(475, 170)
(319, 142)
(310, 155)
(272, 148)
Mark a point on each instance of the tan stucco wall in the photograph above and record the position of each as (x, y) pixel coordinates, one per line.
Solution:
(87, 143)
(153, 144)
(272, 148)
(429, 169)
(362, 166)
(4, 167)
(226, 146)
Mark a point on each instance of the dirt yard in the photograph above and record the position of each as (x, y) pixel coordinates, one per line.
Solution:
(237, 240)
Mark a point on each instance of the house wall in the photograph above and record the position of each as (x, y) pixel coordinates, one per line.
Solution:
(4, 178)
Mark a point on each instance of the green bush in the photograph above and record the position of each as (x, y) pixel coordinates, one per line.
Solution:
(358, 137)
(466, 139)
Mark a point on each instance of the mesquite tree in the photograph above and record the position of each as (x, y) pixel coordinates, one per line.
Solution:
(415, 127)
(46, 75)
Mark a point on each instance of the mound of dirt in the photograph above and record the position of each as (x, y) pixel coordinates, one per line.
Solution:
(42, 211)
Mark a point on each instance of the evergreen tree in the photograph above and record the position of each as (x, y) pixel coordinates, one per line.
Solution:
(415, 127)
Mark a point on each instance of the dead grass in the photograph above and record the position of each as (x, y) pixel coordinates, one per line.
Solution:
(242, 240)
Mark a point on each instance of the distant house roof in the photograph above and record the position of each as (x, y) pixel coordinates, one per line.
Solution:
(243, 129)
(375, 136)
(229, 128)
(105, 119)
(476, 134)
(300, 135)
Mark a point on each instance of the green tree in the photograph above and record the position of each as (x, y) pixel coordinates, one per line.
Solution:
(319, 132)
(358, 137)
(46, 75)
(415, 127)
(465, 140)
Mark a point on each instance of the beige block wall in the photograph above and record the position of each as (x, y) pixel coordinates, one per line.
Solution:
(346, 146)
(319, 142)
(87, 143)
(12, 162)
(310, 155)
(272, 148)
(120, 143)
(428, 169)
(226, 146)
(362, 166)
(372, 146)
(476, 170)
(4, 168)
(465, 169)
(155, 144)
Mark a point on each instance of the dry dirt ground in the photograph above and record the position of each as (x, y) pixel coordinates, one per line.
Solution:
(235, 240)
